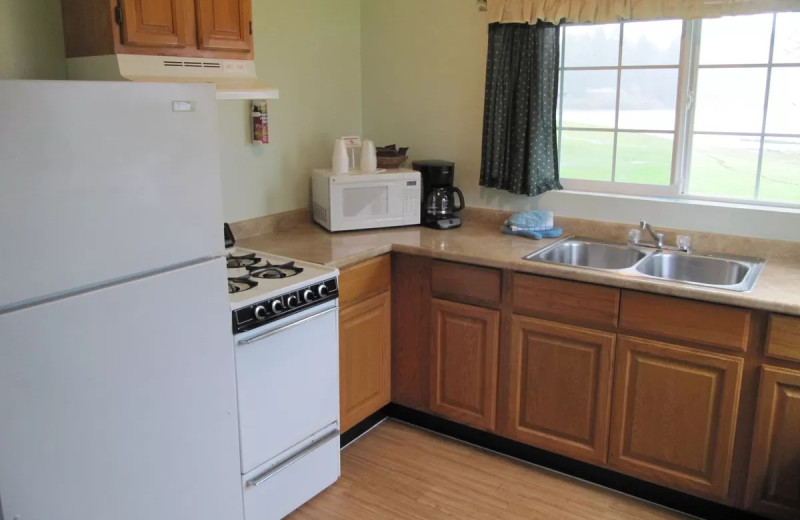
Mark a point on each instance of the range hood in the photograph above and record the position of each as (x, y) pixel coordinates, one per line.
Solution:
(235, 79)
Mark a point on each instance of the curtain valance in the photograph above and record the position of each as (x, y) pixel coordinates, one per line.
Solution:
(607, 11)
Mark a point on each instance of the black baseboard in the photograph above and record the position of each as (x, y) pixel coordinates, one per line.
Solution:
(359, 429)
(631, 486)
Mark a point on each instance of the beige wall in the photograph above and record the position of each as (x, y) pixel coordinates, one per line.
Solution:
(310, 50)
(31, 40)
(424, 79)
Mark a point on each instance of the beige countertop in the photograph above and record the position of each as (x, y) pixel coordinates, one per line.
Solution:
(481, 243)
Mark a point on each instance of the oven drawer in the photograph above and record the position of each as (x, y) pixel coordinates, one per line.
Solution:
(287, 376)
(277, 488)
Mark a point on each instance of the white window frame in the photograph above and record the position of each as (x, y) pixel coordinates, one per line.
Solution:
(688, 69)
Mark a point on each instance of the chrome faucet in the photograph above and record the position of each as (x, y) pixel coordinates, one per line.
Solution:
(684, 243)
(658, 238)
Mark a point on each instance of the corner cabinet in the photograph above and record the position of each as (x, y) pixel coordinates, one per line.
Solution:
(560, 388)
(364, 340)
(674, 415)
(191, 28)
(464, 363)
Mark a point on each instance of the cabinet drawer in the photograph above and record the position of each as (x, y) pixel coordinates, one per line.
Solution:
(363, 280)
(676, 318)
(563, 300)
(453, 281)
(784, 337)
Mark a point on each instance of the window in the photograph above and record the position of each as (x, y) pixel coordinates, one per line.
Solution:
(694, 109)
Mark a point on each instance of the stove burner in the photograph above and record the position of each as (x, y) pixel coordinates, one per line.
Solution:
(241, 284)
(242, 261)
(269, 270)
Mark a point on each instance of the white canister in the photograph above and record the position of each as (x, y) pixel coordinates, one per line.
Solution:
(369, 157)
(340, 161)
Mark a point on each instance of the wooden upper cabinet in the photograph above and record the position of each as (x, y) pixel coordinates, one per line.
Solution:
(674, 414)
(154, 23)
(464, 363)
(215, 29)
(773, 487)
(364, 358)
(560, 388)
(224, 25)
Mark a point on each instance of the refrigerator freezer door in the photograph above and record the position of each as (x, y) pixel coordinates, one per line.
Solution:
(121, 403)
(102, 180)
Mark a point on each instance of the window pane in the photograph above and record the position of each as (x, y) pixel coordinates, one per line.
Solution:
(586, 155)
(591, 46)
(644, 158)
(783, 116)
(590, 98)
(647, 99)
(787, 38)
(736, 40)
(730, 100)
(780, 170)
(724, 166)
(652, 43)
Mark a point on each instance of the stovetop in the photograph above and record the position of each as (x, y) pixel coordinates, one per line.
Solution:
(254, 276)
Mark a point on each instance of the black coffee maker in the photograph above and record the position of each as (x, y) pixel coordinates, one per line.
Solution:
(439, 195)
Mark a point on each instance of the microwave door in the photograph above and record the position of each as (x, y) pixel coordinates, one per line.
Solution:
(361, 205)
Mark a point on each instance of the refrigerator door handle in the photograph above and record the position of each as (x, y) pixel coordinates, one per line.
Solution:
(297, 457)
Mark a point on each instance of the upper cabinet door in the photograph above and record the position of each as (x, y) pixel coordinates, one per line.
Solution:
(224, 25)
(154, 23)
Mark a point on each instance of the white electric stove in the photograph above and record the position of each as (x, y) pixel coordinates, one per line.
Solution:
(286, 338)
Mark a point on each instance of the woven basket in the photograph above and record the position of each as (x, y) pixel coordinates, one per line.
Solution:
(391, 162)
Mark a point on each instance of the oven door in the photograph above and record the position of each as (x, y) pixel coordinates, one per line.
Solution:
(367, 204)
(287, 376)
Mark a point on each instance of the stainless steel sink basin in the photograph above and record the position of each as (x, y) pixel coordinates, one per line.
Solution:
(585, 252)
(736, 273)
(729, 272)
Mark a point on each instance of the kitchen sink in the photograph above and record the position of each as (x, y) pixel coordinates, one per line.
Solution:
(585, 252)
(736, 273)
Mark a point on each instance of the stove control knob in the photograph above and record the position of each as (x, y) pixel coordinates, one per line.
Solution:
(291, 301)
(322, 291)
(308, 295)
(277, 306)
(261, 313)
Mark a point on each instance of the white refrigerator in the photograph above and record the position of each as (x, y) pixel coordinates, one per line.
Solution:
(117, 379)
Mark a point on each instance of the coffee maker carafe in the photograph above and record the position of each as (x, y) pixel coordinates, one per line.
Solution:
(439, 195)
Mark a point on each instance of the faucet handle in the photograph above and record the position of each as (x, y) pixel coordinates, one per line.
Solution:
(684, 243)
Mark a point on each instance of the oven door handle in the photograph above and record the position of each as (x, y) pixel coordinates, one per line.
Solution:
(255, 339)
(271, 472)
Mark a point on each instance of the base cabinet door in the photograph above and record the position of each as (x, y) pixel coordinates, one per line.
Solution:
(673, 415)
(464, 363)
(364, 358)
(560, 388)
(773, 487)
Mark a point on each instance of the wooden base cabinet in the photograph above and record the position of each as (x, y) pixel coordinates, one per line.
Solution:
(773, 487)
(365, 340)
(464, 363)
(560, 388)
(674, 415)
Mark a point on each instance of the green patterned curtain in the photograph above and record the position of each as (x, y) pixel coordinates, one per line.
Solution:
(520, 152)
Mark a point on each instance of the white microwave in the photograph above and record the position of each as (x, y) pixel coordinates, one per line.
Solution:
(366, 201)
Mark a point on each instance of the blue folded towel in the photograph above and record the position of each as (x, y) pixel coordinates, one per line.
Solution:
(553, 232)
(537, 220)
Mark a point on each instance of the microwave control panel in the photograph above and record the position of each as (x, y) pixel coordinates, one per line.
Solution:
(411, 202)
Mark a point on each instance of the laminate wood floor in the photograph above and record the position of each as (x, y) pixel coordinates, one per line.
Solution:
(400, 472)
